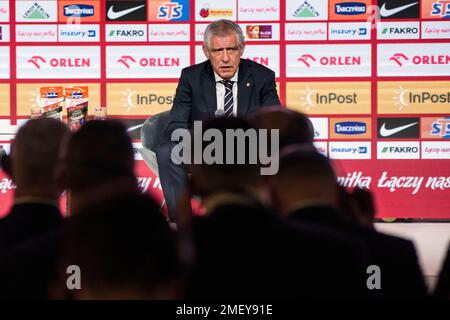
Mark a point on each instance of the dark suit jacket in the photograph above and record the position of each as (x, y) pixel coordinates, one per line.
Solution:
(248, 252)
(442, 290)
(195, 97)
(26, 221)
(401, 276)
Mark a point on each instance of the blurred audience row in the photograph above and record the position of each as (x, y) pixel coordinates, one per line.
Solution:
(292, 235)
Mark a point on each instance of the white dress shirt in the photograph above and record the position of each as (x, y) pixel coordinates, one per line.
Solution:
(220, 92)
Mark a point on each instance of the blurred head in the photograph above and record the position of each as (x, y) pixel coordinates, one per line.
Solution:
(124, 249)
(304, 175)
(223, 45)
(100, 152)
(210, 178)
(35, 155)
(294, 127)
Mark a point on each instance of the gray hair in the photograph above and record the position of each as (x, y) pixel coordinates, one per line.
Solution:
(223, 28)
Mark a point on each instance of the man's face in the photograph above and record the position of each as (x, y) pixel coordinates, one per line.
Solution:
(224, 55)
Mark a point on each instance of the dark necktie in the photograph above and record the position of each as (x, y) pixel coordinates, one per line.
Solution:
(228, 102)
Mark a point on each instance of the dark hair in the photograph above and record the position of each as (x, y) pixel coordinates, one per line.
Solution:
(124, 243)
(99, 151)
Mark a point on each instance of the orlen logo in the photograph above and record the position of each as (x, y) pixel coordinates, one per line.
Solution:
(79, 10)
(350, 8)
(441, 9)
(128, 61)
(170, 10)
(401, 58)
(330, 60)
(38, 61)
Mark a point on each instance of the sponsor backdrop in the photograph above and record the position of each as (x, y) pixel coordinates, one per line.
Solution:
(374, 75)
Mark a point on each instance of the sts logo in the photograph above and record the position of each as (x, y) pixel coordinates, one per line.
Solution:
(441, 9)
(169, 10)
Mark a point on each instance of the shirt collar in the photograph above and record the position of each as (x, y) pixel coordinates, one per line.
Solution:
(234, 78)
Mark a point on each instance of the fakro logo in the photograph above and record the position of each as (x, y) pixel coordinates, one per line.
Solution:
(128, 61)
(38, 61)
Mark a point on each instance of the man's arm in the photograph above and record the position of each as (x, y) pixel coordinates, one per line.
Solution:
(180, 113)
(269, 95)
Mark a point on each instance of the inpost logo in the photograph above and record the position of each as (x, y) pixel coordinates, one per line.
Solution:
(414, 97)
(329, 97)
(140, 99)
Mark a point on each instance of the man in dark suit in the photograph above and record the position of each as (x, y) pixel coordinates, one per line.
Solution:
(225, 84)
(32, 165)
(305, 191)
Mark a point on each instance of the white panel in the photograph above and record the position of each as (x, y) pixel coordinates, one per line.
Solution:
(328, 60)
(4, 63)
(146, 61)
(350, 150)
(306, 10)
(398, 30)
(56, 62)
(414, 59)
(210, 10)
(37, 11)
(320, 127)
(4, 33)
(306, 31)
(436, 150)
(126, 32)
(398, 150)
(37, 33)
(349, 31)
(4, 11)
(78, 33)
(259, 10)
(436, 29)
(168, 32)
(267, 55)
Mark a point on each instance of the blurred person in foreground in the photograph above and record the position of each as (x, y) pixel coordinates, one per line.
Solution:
(32, 165)
(98, 163)
(305, 191)
(294, 127)
(124, 249)
(26, 233)
(244, 250)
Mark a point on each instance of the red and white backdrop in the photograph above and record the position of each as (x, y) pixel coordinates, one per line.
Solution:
(373, 75)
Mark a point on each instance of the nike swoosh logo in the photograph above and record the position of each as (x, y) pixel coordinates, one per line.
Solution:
(118, 14)
(134, 128)
(389, 132)
(389, 12)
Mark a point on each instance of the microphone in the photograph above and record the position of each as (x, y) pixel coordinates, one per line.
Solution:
(219, 113)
